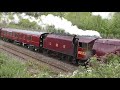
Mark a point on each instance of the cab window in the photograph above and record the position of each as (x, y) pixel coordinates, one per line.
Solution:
(83, 45)
(90, 45)
(80, 44)
(29, 38)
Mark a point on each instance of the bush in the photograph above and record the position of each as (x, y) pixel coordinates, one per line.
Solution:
(99, 70)
(11, 68)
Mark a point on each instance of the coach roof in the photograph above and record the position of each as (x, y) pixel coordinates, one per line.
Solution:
(109, 41)
(23, 31)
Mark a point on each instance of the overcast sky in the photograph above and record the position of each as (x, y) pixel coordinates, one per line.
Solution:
(104, 15)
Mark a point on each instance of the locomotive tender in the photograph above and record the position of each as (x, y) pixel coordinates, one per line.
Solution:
(77, 49)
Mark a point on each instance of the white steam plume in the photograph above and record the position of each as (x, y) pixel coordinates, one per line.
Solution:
(16, 20)
(51, 20)
(61, 23)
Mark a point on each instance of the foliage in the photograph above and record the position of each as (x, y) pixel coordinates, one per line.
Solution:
(25, 23)
(98, 70)
(13, 68)
(86, 21)
(37, 14)
(108, 28)
(51, 29)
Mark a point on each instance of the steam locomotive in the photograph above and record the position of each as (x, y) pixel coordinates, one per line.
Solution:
(76, 49)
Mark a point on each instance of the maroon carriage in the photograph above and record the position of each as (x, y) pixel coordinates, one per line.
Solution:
(30, 38)
(6, 34)
(27, 38)
(106, 46)
(1, 33)
(0, 30)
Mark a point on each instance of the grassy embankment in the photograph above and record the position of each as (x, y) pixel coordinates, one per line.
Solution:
(13, 68)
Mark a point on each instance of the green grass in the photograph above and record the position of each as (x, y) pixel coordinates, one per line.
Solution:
(98, 70)
(13, 68)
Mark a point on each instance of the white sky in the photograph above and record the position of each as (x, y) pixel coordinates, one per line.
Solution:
(104, 15)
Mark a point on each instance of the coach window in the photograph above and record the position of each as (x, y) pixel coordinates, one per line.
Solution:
(24, 37)
(10, 33)
(4, 32)
(21, 35)
(14, 34)
(29, 38)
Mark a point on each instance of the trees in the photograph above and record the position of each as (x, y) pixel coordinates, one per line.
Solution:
(84, 20)
(115, 25)
(25, 23)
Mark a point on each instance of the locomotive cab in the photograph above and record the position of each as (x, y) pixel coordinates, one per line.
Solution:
(84, 51)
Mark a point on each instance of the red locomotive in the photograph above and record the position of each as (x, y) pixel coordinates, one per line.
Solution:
(73, 48)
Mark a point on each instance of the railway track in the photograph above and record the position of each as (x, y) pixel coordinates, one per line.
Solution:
(23, 52)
